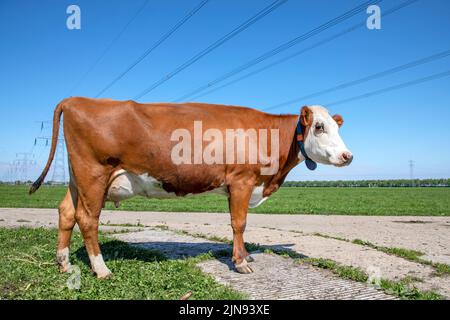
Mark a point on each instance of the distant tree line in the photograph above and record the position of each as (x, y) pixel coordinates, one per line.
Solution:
(29, 182)
(338, 183)
(372, 183)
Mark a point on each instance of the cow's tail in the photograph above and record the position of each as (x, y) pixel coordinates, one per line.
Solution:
(56, 120)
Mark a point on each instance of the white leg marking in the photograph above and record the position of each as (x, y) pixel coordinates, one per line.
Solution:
(99, 266)
(62, 257)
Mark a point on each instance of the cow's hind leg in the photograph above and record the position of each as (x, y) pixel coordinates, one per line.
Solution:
(88, 223)
(65, 226)
(91, 191)
(238, 201)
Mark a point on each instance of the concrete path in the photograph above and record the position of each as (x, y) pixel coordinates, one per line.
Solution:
(304, 234)
(274, 277)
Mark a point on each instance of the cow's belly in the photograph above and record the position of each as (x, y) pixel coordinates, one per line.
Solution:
(127, 185)
(257, 197)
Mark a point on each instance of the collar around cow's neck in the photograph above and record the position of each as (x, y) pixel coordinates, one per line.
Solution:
(310, 164)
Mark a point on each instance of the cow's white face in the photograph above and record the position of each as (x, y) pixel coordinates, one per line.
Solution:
(323, 143)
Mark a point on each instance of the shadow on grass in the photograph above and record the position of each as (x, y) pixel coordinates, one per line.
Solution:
(160, 251)
(118, 250)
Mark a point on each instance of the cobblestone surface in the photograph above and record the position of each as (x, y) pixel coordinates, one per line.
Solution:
(274, 277)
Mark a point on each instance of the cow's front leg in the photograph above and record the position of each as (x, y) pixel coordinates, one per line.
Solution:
(238, 201)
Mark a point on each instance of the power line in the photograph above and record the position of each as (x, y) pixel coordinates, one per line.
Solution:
(213, 46)
(283, 47)
(154, 46)
(295, 54)
(374, 76)
(102, 55)
(392, 88)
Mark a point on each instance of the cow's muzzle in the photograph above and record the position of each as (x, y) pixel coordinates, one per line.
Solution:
(346, 158)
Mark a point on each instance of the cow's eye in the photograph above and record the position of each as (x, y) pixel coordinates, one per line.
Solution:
(319, 128)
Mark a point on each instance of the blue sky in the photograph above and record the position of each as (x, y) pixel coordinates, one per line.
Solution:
(41, 60)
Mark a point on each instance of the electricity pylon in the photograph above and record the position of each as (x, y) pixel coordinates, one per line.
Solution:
(59, 167)
(22, 164)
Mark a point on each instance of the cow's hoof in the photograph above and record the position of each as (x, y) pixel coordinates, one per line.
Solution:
(243, 267)
(249, 258)
(103, 275)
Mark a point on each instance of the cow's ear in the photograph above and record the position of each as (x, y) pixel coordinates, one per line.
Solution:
(339, 120)
(306, 116)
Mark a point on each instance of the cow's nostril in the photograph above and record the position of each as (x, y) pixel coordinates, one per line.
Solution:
(347, 156)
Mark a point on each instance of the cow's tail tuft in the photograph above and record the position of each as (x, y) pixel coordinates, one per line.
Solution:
(56, 120)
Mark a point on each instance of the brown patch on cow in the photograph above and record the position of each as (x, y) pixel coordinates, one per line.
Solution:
(306, 116)
(339, 120)
(306, 119)
(270, 189)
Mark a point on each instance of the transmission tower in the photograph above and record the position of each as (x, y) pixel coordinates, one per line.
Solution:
(9, 172)
(59, 162)
(59, 166)
(22, 164)
(411, 171)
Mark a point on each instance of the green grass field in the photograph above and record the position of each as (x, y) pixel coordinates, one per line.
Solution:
(28, 271)
(326, 200)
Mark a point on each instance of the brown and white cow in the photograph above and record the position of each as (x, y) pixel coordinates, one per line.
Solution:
(119, 149)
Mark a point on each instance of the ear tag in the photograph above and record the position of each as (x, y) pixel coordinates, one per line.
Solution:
(311, 165)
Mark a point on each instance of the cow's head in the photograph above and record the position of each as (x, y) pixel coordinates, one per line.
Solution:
(322, 141)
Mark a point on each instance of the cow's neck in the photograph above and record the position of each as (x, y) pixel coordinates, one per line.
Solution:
(288, 158)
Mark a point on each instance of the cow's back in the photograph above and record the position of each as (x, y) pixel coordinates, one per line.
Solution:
(137, 137)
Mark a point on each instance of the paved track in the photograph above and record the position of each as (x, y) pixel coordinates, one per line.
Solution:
(274, 277)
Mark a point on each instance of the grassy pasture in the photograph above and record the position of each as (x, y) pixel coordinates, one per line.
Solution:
(314, 200)
(28, 271)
